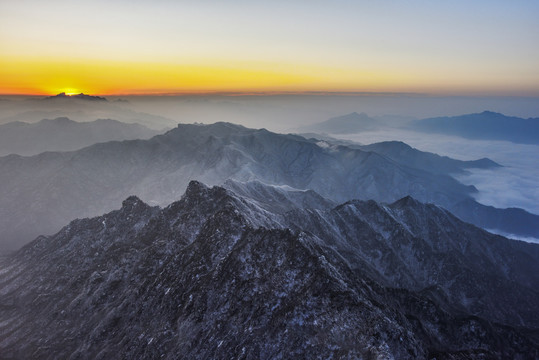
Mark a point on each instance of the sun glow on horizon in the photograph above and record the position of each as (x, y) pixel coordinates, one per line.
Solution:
(70, 91)
(102, 77)
(268, 47)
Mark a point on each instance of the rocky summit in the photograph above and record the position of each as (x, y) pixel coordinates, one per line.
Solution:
(228, 273)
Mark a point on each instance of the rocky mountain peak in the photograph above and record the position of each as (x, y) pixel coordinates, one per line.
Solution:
(407, 202)
(133, 203)
(198, 192)
(203, 278)
(195, 188)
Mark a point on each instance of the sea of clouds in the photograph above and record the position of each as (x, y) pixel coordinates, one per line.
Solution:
(516, 184)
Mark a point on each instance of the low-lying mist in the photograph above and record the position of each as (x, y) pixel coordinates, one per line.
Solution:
(281, 113)
(513, 185)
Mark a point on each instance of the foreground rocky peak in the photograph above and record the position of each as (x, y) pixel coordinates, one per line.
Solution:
(222, 275)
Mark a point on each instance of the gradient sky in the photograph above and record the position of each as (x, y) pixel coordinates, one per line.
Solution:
(134, 47)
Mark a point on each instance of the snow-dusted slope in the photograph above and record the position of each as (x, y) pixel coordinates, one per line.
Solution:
(219, 275)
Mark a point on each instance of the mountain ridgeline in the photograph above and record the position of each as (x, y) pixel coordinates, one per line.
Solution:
(487, 125)
(81, 96)
(405, 154)
(41, 193)
(63, 134)
(222, 275)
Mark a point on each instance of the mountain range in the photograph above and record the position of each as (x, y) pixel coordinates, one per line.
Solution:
(81, 109)
(403, 153)
(487, 125)
(63, 134)
(272, 273)
(39, 194)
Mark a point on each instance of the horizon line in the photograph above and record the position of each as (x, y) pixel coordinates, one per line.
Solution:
(277, 93)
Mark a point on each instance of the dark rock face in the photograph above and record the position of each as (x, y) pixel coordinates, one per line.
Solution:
(217, 275)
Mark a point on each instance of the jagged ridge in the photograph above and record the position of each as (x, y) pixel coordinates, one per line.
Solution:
(217, 275)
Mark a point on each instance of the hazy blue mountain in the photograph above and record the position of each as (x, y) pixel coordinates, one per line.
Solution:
(63, 134)
(346, 124)
(404, 154)
(487, 125)
(407, 155)
(215, 275)
(80, 109)
(511, 220)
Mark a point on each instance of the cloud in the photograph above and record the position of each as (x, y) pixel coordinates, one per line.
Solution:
(514, 185)
(515, 237)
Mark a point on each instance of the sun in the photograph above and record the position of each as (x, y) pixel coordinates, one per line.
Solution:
(71, 91)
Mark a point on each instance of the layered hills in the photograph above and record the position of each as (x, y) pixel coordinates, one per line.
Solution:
(63, 134)
(39, 194)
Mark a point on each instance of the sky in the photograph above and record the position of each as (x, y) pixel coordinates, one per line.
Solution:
(165, 47)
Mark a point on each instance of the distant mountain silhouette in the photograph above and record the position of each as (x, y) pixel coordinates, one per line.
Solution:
(63, 134)
(487, 125)
(80, 96)
(409, 156)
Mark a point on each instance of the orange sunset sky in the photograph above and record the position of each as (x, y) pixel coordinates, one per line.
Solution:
(163, 47)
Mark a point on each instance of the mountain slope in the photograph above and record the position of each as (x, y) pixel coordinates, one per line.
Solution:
(512, 220)
(405, 154)
(408, 244)
(91, 180)
(204, 278)
(63, 134)
(486, 125)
